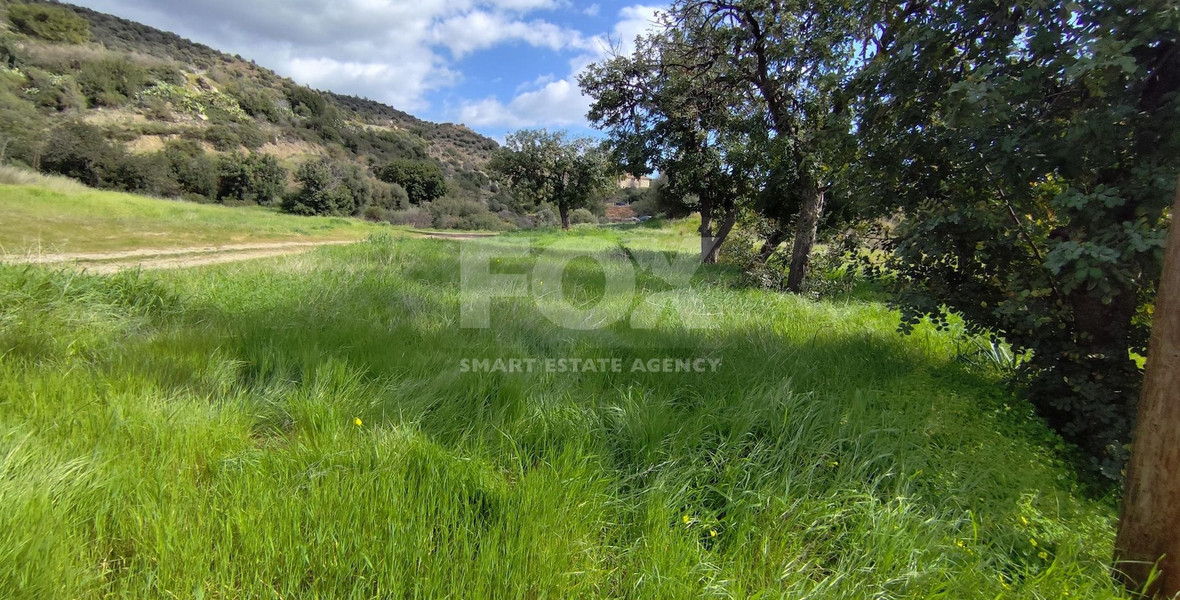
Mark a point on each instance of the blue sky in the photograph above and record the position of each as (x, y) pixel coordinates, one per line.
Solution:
(494, 65)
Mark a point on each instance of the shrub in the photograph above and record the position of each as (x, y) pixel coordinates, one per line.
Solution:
(460, 213)
(81, 151)
(415, 216)
(582, 216)
(423, 181)
(389, 196)
(328, 187)
(545, 217)
(250, 178)
(256, 102)
(111, 81)
(56, 92)
(195, 171)
(223, 137)
(149, 174)
(52, 23)
(22, 128)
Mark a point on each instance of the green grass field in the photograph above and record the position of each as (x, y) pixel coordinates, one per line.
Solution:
(300, 427)
(41, 219)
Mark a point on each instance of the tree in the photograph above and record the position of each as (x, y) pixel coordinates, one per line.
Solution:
(1149, 530)
(250, 178)
(1029, 153)
(550, 167)
(662, 113)
(327, 187)
(81, 151)
(795, 58)
(422, 180)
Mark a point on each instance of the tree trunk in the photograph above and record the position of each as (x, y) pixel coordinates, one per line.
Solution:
(706, 231)
(771, 245)
(813, 208)
(1150, 525)
(564, 210)
(710, 257)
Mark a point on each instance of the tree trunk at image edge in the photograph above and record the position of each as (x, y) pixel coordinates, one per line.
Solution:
(1149, 530)
(805, 233)
(564, 210)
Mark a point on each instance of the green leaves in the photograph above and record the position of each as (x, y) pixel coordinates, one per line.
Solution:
(1030, 154)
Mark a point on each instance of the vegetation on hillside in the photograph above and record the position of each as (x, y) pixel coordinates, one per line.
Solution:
(95, 97)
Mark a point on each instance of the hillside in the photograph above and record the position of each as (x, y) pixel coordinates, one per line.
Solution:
(124, 99)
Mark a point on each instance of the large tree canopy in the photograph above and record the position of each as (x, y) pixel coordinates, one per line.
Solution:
(1029, 152)
(544, 167)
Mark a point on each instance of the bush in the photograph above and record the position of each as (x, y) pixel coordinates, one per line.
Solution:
(112, 81)
(22, 128)
(423, 181)
(459, 213)
(389, 196)
(56, 92)
(415, 216)
(256, 102)
(250, 179)
(148, 174)
(194, 170)
(223, 138)
(52, 23)
(81, 151)
(327, 187)
(545, 217)
(582, 216)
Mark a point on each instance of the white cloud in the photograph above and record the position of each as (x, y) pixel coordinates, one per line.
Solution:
(545, 102)
(592, 10)
(479, 30)
(394, 51)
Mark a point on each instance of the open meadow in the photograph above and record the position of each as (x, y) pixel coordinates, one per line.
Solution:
(304, 426)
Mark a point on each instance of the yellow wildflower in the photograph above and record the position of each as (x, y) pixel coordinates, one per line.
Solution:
(712, 533)
(358, 421)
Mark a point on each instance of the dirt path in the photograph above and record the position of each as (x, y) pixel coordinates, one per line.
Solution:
(195, 256)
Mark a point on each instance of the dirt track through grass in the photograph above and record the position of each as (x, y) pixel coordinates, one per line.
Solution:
(196, 256)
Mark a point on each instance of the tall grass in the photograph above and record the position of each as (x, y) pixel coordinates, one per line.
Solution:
(12, 175)
(41, 214)
(299, 427)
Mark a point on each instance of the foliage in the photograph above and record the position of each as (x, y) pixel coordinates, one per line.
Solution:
(195, 171)
(582, 216)
(148, 174)
(451, 212)
(1030, 151)
(206, 103)
(81, 151)
(49, 22)
(423, 181)
(55, 92)
(550, 167)
(22, 126)
(112, 81)
(250, 179)
(328, 187)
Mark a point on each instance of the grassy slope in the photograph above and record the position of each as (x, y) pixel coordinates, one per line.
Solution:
(192, 432)
(39, 219)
